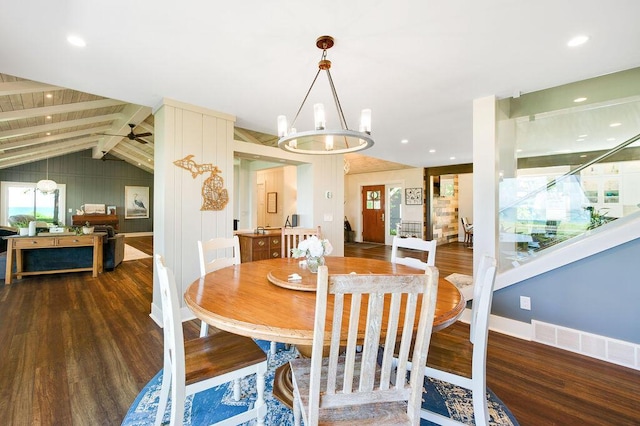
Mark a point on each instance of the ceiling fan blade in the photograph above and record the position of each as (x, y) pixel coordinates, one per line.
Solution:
(143, 135)
(140, 140)
(109, 134)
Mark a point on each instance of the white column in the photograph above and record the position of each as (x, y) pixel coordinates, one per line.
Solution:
(485, 178)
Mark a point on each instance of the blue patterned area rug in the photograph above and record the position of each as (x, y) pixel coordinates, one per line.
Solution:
(215, 404)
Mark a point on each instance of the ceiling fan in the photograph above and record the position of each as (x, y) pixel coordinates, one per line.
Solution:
(105, 158)
(131, 136)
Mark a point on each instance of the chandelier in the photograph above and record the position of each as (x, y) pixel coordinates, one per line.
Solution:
(46, 186)
(323, 140)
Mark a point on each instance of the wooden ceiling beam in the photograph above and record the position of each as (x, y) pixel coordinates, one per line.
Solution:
(57, 109)
(53, 138)
(245, 136)
(58, 126)
(130, 114)
(54, 150)
(133, 159)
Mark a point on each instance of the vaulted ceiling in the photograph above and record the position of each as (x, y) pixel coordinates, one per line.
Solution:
(39, 121)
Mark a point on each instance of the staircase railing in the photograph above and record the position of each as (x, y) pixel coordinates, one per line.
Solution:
(541, 211)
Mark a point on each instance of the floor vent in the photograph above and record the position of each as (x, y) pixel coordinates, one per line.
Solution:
(604, 348)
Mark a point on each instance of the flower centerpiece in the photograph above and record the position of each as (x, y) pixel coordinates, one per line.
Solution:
(314, 249)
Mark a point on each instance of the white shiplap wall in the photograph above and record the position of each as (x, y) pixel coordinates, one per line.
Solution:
(182, 130)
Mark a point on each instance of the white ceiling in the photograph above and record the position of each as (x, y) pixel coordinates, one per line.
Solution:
(417, 64)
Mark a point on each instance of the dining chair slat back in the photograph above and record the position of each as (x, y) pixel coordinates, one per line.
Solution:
(291, 237)
(414, 244)
(214, 254)
(352, 385)
(195, 365)
(478, 336)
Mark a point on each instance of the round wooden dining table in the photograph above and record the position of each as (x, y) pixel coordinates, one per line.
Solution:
(256, 299)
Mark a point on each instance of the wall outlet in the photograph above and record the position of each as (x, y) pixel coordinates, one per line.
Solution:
(525, 303)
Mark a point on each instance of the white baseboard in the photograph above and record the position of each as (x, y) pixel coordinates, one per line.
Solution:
(513, 328)
(156, 314)
(603, 348)
(137, 234)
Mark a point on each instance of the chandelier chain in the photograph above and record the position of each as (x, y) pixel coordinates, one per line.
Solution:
(343, 121)
(305, 98)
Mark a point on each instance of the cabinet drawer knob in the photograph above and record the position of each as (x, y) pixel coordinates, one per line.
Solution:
(261, 243)
(275, 254)
(275, 241)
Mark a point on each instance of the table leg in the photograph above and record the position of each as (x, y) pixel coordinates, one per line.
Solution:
(283, 382)
(283, 385)
(9, 272)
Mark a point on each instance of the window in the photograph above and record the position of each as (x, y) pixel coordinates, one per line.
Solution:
(373, 200)
(395, 209)
(23, 198)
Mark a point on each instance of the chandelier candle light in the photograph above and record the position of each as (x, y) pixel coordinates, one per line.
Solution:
(314, 249)
(322, 140)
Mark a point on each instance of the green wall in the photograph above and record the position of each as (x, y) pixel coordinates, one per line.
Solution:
(89, 181)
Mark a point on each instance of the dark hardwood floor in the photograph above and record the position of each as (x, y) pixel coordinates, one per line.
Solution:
(76, 350)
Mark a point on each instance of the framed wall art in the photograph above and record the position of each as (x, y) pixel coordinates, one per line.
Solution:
(272, 202)
(136, 202)
(447, 187)
(413, 196)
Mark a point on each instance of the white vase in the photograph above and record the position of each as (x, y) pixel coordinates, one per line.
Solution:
(24, 232)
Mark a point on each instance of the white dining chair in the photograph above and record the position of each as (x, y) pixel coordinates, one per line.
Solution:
(478, 336)
(291, 237)
(414, 244)
(352, 387)
(468, 230)
(215, 254)
(202, 363)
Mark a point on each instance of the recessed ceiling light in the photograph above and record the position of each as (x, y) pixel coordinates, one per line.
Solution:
(48, 133)
(77, 41)
(578, 40)
(404, 141)
(580, 140)
(576, 100)
(452, 158)
(615, 124)
(518, 150)
(49, 95)
(583, 156)
(432, 151)
(583, 136)
(48, 117)
(611, 139)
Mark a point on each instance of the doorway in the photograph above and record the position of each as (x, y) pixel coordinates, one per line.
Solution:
(373, 209)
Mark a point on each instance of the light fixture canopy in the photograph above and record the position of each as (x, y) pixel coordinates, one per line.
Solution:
(46, 186)
(321, 140)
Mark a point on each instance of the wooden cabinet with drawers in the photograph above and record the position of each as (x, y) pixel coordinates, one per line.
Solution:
(259, 246)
